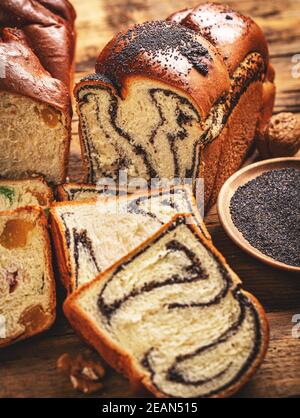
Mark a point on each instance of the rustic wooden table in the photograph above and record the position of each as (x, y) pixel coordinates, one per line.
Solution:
(29, 368)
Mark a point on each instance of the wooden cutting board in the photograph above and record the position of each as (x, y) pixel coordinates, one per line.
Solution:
(29, 368)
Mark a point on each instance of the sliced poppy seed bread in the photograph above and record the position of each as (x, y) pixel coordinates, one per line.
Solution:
(172, 316)
(91, 235)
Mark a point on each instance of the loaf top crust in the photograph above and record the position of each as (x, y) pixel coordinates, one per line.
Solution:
(37, 41)
(195, 51)
(170, 53)
(62, 8)
(25, 75)
(48, 26)
(234, 35)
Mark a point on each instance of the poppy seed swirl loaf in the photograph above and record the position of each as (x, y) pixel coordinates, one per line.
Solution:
(180, 98)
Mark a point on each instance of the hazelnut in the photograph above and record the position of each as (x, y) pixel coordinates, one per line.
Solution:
(281, 137)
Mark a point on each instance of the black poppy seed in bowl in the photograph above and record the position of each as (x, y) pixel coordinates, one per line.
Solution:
(266, 210)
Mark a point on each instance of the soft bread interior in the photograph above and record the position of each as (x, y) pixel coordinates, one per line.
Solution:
(15, 194)
(155, 131)
(175, 310)
(26, 287)
(33, 139)
(97, 234)
(146, 120)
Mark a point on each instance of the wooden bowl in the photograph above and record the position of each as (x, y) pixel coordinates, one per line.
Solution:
(231, 185)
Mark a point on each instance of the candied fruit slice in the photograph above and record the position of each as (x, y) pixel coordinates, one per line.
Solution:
(50, 117)
(33, 318)
(41, 198)
(15, 233)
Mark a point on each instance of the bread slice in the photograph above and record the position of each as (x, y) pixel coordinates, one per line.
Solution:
(80, 191)
(34, 139)
(172, 316)
(27, 288)
(91, 235)
(18, 193)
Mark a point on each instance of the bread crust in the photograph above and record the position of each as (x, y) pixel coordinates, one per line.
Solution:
(119, 359)
(203, 88)
(40, 217)
(48, 26)
(25, 75)
(227, 152)
(234, 35)
(61, 194)
(67, 274)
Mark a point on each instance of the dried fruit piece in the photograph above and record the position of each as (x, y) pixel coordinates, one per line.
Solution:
(50, 117)
(13, 280)
(15, 233)
(33, 318)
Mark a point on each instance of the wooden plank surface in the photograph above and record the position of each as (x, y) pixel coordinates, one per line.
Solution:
(29, 368)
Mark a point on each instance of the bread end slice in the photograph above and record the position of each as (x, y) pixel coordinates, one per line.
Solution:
(27, 286)
(172, 317)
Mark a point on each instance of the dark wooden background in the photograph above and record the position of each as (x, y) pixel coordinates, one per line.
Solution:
(29, 368)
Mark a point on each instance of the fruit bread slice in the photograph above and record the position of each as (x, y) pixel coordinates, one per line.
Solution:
(172, 316)
(18, 193)
(37, 45)
(35, 114)
(27, 288)
(91, 235)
